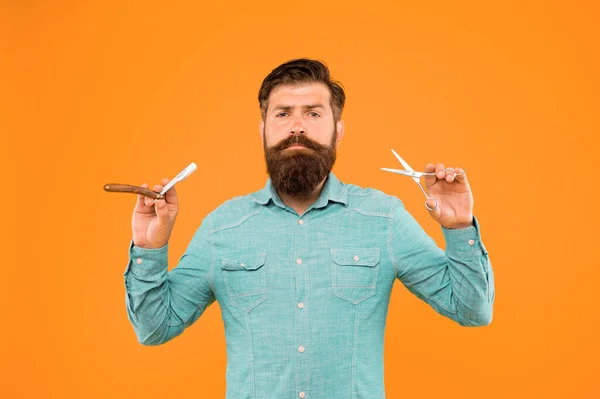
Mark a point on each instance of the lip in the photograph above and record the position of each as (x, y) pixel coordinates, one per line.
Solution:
(295, 146)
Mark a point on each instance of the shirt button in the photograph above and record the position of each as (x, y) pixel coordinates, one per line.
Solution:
(471, 242)
(242, 264)
(139, 261)
(299, 261)
(301, 349)
(301, 394)
(300, 305)
(300, 221)
(356, 258)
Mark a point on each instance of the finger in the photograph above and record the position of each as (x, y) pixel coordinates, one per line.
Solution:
(171, 194)
(157, 189)
(439, 171)
(449, 174)
(140, 197)
(148, 201)
(429, 180)
(162, 212)
(143, 200)
(460, 176)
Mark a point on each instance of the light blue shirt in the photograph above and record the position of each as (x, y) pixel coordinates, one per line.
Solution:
(304, 298)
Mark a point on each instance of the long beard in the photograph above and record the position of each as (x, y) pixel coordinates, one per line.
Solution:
(298, 172)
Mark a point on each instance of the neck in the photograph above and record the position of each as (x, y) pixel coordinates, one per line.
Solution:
(301, 203)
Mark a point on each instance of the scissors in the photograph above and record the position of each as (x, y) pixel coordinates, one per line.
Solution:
(416, 176)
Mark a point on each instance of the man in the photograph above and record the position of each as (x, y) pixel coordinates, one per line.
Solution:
(303, 268)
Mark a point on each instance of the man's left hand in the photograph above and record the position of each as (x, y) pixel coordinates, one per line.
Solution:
(453, 194)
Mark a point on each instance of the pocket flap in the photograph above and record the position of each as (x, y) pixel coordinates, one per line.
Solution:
(355, 256)
(244, 262)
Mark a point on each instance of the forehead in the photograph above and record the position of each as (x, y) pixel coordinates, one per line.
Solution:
(301, 94)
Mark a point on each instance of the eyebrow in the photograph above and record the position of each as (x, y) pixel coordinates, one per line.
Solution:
(289, 107)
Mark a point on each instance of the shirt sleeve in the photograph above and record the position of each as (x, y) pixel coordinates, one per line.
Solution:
(161, 304)
(458, 282)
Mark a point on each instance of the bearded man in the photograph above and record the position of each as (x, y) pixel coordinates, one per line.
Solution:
(303, 269)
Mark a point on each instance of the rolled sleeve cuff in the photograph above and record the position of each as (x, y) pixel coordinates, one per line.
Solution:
(466, 240)
(146, 263)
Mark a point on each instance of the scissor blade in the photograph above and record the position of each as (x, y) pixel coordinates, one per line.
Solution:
(410, 173)
(400, 172)
(402, 161)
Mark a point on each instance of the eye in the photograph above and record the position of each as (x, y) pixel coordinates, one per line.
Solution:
(314, 113)
(281, 113)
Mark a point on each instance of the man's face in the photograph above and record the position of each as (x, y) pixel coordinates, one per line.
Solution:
(300, 137)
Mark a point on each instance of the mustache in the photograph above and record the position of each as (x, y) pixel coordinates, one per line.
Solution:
(297, 139)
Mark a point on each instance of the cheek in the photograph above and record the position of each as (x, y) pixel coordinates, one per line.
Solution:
(280, 123)
(274, 134)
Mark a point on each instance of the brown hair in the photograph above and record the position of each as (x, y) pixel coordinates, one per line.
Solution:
(300, 71)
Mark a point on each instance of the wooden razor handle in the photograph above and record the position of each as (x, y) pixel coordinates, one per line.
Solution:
(128, 188)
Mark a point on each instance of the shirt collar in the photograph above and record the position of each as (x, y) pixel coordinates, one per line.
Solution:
(333, 190)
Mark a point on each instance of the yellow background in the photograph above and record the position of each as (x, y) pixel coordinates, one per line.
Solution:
(130, 92)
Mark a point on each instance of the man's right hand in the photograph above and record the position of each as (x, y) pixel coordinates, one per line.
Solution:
(152, 222)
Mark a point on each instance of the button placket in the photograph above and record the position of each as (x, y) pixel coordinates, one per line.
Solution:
(301, 272)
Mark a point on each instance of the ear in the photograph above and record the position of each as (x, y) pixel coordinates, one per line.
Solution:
(261, 128)
(339, 128)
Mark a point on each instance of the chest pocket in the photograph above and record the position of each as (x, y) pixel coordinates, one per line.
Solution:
(354, 273)
(245, 280)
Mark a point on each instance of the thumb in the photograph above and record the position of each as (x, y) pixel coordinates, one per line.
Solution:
(162, 212)
(433, 208)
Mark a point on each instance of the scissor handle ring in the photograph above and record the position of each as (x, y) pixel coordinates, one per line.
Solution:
(456, 174)
(436, 204)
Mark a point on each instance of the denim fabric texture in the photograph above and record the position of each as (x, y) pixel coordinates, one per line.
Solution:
(304, 298)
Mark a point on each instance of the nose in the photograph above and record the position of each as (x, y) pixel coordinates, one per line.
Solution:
(297, 127)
